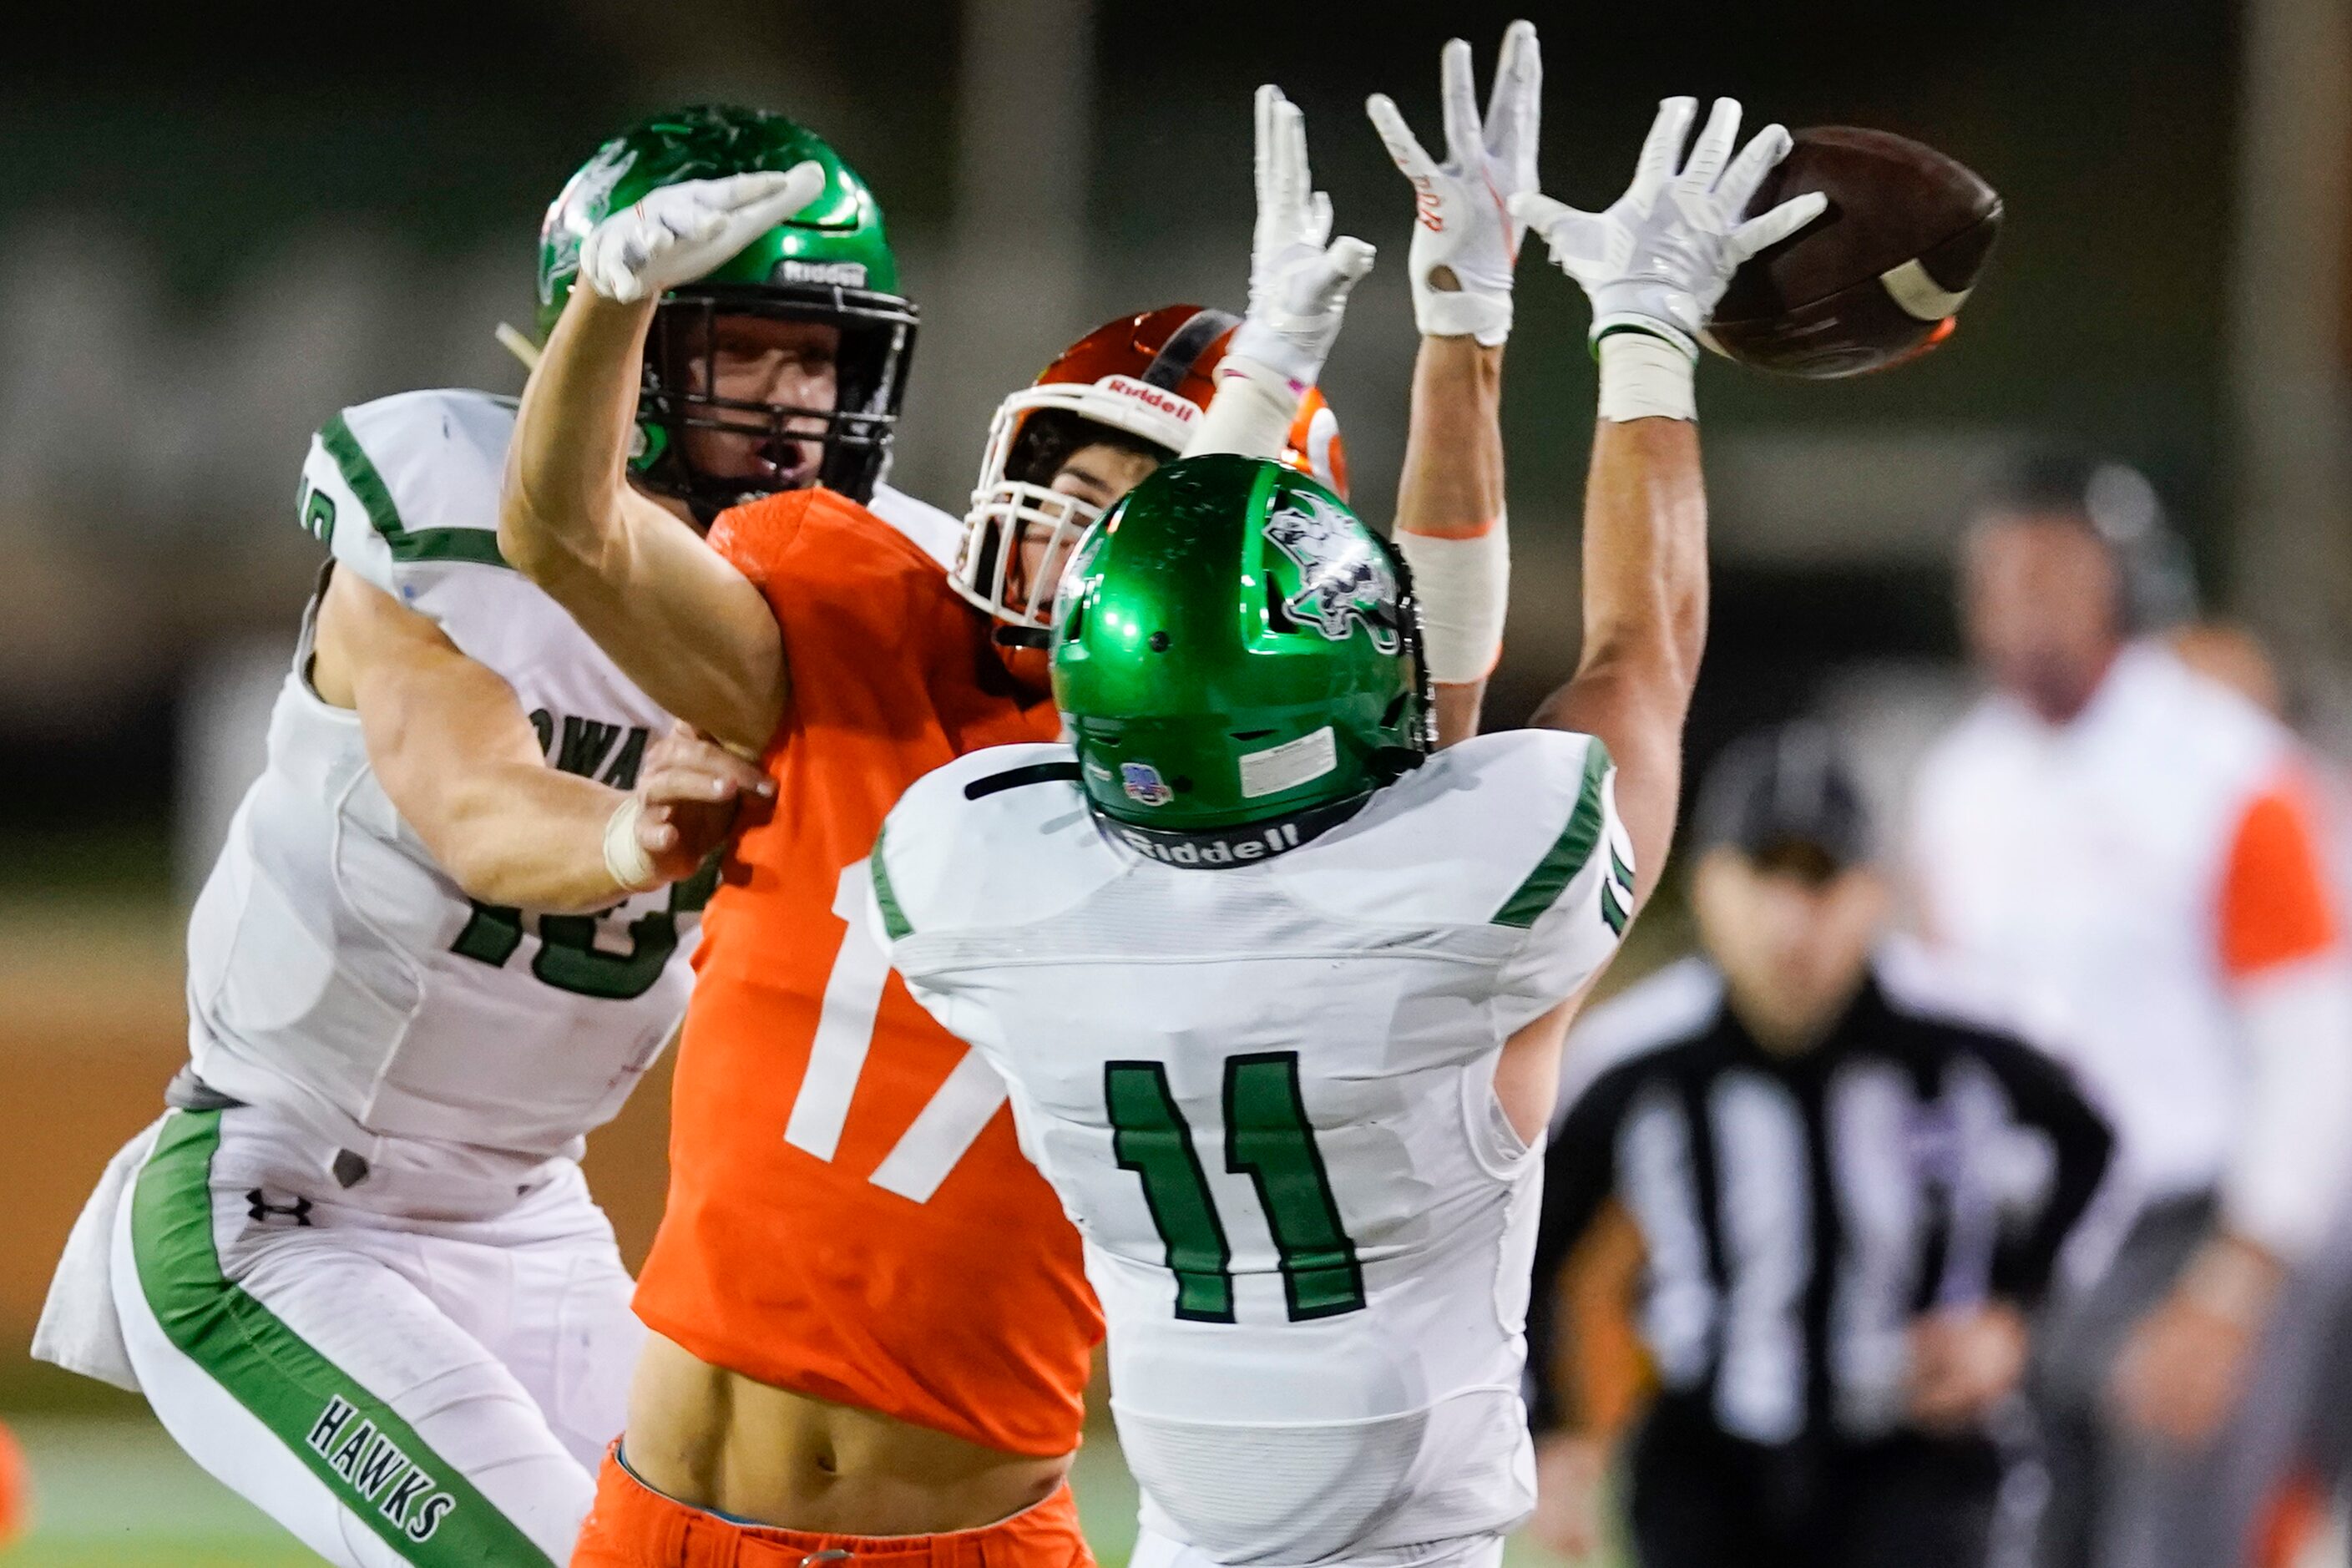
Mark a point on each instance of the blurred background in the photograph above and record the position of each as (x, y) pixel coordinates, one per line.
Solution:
(228, 222)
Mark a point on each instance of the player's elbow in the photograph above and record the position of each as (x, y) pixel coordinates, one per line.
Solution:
(1649, 670)
(530, 545)
(552, 538)
(467, 847)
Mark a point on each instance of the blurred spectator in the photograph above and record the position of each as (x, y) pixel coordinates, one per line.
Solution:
(2138, 854)
(2291, 1447)
(1850, 1192)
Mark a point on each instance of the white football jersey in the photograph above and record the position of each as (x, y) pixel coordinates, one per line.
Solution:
(1264, 1089)
(333, 968)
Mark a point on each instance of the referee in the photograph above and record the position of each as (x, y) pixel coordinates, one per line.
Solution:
(1848, 1196)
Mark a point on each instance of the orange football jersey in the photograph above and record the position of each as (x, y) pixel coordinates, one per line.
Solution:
(849, 1214)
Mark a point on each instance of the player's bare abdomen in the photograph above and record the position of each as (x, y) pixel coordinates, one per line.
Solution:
(717, 1439)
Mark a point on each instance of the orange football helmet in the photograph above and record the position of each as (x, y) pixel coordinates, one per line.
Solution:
(1150, 378)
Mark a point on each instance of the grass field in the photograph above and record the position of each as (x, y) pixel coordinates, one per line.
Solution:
(116, 1493)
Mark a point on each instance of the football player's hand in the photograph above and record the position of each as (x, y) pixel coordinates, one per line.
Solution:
(1299, 275)
(1465, 239)
(1663, 253)
(679, 233)
(688, 792)
(1571, 1478)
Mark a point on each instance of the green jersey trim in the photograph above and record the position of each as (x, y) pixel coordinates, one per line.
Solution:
(894, 919)
(478, 545)
(373, 1462)
(1568, 853)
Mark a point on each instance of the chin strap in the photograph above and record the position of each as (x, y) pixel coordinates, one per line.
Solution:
(513, 341)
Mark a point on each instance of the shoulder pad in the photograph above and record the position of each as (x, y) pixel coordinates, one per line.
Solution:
(404, 491)
(938, 534)
(982, 840)
(1488, 832)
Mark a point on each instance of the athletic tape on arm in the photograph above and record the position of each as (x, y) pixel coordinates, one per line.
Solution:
(625, 860)
(1464, 586)
(1252, 414)
(1644, 376)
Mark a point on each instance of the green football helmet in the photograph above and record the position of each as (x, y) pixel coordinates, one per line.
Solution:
(1233, 648)
(829, 262)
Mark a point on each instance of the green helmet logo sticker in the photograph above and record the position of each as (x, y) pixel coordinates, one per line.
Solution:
(1344, 577)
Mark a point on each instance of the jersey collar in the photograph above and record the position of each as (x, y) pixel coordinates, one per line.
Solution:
(1248, 844)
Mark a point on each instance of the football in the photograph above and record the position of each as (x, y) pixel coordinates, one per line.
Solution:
(1879, 278)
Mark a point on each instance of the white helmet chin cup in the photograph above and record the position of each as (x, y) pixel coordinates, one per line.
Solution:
(1006, 513)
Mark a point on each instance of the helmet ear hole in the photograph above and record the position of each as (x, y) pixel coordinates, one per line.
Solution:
(1076, 627)
(1287, 674)
(1277, 614)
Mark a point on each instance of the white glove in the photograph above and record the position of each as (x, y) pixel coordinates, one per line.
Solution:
(1463, 224)
(682, 232)
(1663, 253)
(1299, 275)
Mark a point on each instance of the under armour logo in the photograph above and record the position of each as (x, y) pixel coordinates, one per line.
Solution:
(258, 1207)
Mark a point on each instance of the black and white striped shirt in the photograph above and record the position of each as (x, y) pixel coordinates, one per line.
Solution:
(1799, 1211)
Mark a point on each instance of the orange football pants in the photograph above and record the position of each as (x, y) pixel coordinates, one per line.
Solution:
(634, 1526)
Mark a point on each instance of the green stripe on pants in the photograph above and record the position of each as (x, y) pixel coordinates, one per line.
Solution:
(374, 1462)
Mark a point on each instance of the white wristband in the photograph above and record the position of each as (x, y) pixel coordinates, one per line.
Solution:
(1459, 313)
(1463, 588)
(1644, 376)
(1253, 412)
(625, 860)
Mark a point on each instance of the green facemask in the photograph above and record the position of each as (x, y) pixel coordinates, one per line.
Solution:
(830, 262)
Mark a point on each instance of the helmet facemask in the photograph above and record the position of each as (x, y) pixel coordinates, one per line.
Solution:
(1141, 384)
(829, 263)
(677, 392)
(1018, 518)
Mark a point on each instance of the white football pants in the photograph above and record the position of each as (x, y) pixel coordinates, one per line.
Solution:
(398, 1387)
(1153, 1549)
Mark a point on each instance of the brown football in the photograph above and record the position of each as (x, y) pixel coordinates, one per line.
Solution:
(1878, 278)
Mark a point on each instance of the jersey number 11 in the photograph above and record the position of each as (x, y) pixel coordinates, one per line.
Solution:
(1268, 1139)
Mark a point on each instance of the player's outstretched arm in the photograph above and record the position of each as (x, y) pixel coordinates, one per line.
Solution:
(1655, 264)
(460, 761)
(693, 634)
(1299, 280)
(1450, 522)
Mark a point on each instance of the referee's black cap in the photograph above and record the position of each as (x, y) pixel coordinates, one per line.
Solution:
(1786, 797)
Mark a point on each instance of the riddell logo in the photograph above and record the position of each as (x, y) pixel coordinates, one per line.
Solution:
(1215, 849)
(1180, 410)
(842, 274)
